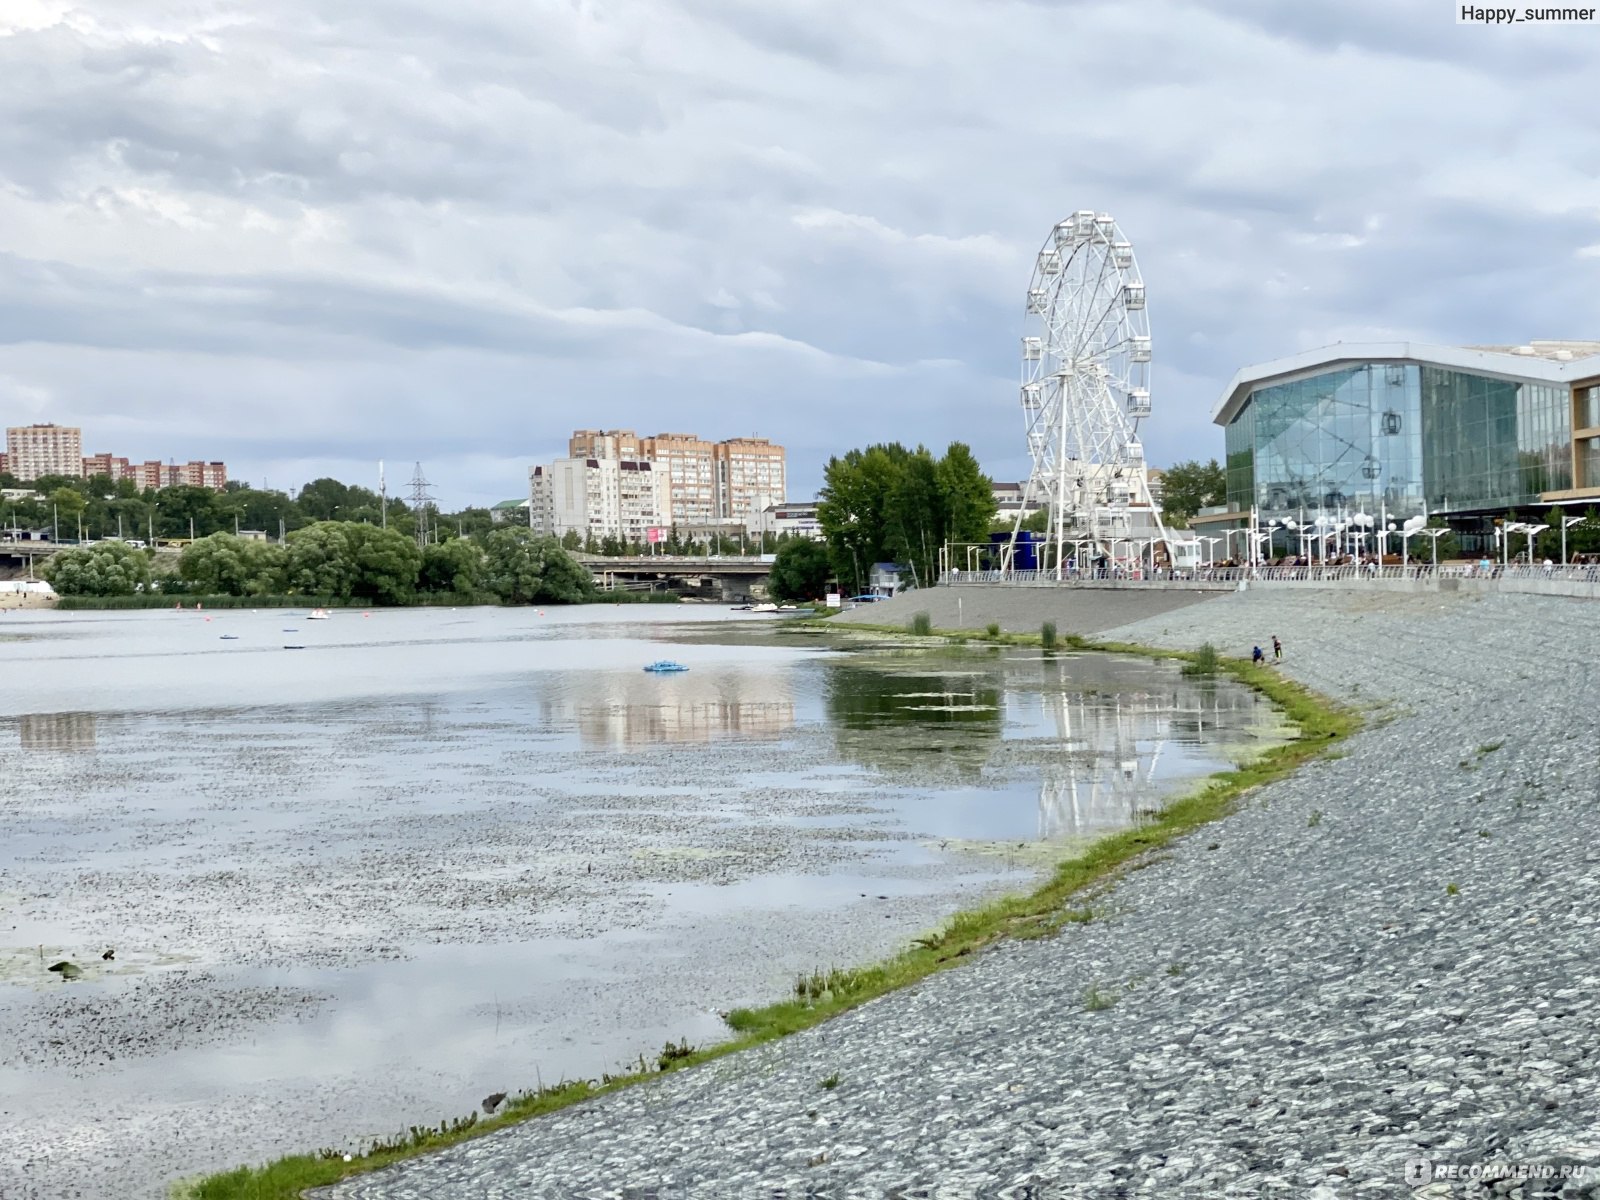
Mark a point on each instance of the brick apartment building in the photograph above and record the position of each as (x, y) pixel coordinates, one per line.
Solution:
(35, 450)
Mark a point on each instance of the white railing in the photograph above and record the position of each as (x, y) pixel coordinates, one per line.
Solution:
(1311, 573)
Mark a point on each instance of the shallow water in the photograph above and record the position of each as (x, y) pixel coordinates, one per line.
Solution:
(442, 853)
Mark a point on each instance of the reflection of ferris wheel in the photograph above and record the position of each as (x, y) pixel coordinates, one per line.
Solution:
(1086, 383)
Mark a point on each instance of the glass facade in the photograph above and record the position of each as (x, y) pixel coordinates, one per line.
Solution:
(1398, 437)
(1588, 415)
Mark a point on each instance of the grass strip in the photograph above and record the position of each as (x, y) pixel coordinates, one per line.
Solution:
(1066, 898)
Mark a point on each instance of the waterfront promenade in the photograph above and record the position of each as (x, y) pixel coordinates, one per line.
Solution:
(1386, 958)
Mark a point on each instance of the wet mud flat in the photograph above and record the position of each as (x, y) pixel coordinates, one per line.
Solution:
(336, 918)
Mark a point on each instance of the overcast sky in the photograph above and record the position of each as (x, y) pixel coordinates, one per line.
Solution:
(306, 235)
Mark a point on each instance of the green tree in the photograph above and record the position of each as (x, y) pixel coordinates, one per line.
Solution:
(915, 518)
(223, 565)
(386, 564)
(321, 561)
(522, 567)
(968, 495)
(1187, 487)
(800, 571)
(104, 569)
(852, 509)
(67, 506)
(570, 541)
(454, 566)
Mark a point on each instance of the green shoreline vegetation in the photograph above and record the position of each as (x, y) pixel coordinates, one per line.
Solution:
(421, 600)
(1068, 896)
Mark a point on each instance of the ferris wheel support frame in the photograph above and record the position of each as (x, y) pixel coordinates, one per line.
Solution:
(1085, 389)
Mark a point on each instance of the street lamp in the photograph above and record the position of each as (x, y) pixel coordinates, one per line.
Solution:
(1435, 534)
(1363, 523)
(1566, 524)
(1532, 531)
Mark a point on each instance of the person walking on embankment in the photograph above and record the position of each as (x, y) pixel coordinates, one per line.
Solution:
(1277, 649)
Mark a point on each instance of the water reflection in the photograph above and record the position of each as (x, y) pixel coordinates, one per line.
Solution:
(890, 716)
(1115, 741)
(1107, 737)
(57, 731)
(619, 710)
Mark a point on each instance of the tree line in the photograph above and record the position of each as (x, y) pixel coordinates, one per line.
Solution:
(887, 503)
(337, 561)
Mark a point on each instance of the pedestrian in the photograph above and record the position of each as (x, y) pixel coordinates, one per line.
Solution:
(1258, 656)
(1277, 649)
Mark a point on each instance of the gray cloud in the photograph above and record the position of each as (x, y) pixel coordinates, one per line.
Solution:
(317, 234)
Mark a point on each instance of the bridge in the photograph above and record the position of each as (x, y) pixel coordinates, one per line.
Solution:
(727, 577)
(23, 558)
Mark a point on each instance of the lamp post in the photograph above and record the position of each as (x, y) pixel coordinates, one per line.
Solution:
(1532, 531)
(1566, 524)
(1435, 535)
(1363, 523)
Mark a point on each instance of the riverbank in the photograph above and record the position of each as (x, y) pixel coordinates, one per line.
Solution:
(434, 856)
(1082, 611)
(1384, 957)
(1067, 896)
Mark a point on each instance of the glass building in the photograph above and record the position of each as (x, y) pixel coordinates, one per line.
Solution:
(1463, 433)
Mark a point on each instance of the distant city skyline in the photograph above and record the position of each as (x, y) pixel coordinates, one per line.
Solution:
(45, 448)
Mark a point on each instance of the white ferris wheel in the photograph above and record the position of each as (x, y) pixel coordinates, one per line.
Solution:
(1085, 388)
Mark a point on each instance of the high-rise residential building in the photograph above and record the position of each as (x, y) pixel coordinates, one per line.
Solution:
(35, 450)
(690, 464)
(706, 482)
(213, 475)
(750, 476)
(622, 498)
(605, 443)
(105, 464)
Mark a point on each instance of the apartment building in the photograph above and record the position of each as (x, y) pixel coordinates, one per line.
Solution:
(623, 498)
(705, 482)
(750, 476)
(605, 443)
(105, 464)
(35, 450)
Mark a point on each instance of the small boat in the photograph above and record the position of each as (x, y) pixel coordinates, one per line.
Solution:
(287, 647)
(768, 607)
(666, 667)
(317, 614)
(230, 637)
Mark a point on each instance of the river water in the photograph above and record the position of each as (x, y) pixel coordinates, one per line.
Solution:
(433, 854)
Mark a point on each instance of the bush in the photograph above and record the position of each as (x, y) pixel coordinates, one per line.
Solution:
(1204, 662)
(1047, 635)
(921, 624)
(992, 629)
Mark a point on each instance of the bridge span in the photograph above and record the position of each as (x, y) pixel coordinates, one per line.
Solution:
(727, 577)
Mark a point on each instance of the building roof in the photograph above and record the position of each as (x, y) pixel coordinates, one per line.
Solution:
(1541, 362)
(505, 504)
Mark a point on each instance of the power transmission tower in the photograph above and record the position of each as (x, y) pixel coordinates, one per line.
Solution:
(421, 500)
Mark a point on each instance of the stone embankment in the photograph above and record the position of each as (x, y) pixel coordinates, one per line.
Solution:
(1388, 958)
(1081, 610)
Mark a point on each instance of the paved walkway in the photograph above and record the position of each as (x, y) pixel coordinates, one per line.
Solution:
(1390, 957)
